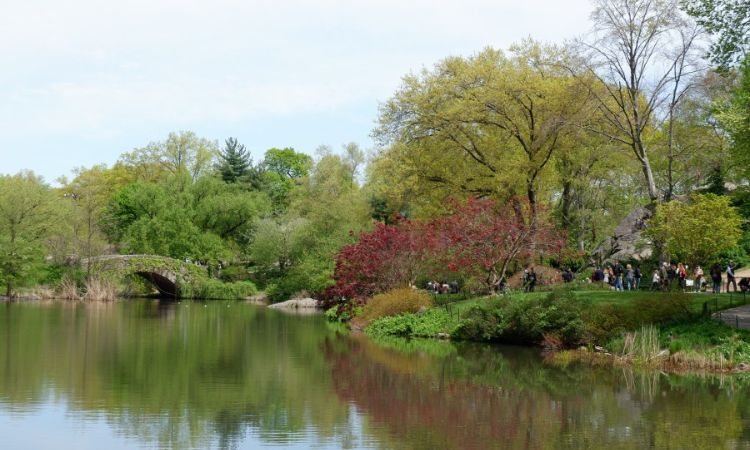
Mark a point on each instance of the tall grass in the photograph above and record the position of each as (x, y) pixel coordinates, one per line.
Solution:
(68, 289)
(642, 346)
(99, 290)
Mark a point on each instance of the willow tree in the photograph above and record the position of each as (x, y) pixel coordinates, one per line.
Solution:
(486, 125)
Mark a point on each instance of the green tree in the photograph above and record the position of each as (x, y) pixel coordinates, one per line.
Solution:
(699, 231)
(87, 196)
(234, 161)
(734, 116)
(729, 22)
(27, 217)
(295, 251)
(182, 154)
(228, 211)
(283, 170)
(485, 125)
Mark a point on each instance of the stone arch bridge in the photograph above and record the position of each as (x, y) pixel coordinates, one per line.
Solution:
(171, 277)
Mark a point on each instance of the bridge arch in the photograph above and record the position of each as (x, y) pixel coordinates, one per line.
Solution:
(171, 277)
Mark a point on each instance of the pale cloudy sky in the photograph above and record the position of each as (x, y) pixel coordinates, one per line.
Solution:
(84, 80)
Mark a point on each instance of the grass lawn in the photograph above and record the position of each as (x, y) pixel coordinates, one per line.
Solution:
(714, 302)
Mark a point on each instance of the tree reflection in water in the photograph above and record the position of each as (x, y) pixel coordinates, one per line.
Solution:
(484, 397)
(229, 375)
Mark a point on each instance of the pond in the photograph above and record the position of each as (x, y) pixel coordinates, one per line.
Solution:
(148, 374)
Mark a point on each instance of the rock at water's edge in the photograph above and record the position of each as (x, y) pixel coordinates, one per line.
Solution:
(296, 303)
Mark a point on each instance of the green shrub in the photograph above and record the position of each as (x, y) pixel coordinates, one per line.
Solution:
(232, 274)
(395, 302)
(527, 320)
(479, 323)
(607, 321)
(342, 312)
(669, 308)
(211, 289)
(428, 324)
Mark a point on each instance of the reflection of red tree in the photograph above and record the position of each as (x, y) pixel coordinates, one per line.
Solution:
(432, 412)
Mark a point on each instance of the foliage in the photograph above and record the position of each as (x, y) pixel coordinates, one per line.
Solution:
(182, 155)
(206, 221)
(484, 125)
(482, 237)
(428, 324)
(283, 169)
(295, 251)
(234, 162)
(734, 116)
(234, 273)
(342, 312)
(478, 238)
(395, 302)
(528, 320)
(696, 232)
(27, 218)
(727, 19)
(390, 256)
(211, 289)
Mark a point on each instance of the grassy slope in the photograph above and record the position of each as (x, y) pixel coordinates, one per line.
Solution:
(604, 297)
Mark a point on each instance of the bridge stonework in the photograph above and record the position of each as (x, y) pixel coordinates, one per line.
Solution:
(171, 277)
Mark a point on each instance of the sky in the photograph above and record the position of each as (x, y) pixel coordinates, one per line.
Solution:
(83, 81)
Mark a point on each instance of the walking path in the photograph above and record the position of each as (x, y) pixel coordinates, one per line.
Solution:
(738, 317)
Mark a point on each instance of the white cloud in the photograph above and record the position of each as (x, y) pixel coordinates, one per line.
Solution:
(103, 69)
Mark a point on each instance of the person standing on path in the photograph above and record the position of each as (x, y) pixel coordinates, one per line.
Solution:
(618, 272)
(638, 275)
(532, 279)
(629, 278)
(730, 276)
(716, 278)
(698, 279)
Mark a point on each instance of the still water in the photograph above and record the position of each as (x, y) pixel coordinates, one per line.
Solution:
(144, 374)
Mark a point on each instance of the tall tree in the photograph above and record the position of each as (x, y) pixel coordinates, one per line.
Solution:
(27, 215)
(283, 170)
(636, 57)
(88, 194)
(234, 161)
(488, 124)
(183, 154)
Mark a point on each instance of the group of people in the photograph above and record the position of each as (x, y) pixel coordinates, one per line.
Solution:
(670, 276)
(434, 287)
(618, 276)
(667, 277)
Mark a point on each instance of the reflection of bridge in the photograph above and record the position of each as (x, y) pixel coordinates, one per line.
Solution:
(168, 275)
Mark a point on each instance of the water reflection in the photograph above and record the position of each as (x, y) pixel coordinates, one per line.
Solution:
(227, 375)
(175, 376)
(481, 397)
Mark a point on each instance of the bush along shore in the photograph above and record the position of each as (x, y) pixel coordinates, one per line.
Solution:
(668, 331)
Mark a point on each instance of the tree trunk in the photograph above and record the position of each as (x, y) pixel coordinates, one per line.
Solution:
(653, 194)
(566, 204)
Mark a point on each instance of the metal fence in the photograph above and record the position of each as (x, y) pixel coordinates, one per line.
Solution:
(734, 320)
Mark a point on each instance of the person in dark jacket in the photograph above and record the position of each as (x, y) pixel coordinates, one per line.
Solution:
(638, 275)
(618, 271)
(716, 278)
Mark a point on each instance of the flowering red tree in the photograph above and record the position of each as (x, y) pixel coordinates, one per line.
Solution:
(388, 257)
(482, 237)
(479, 238)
